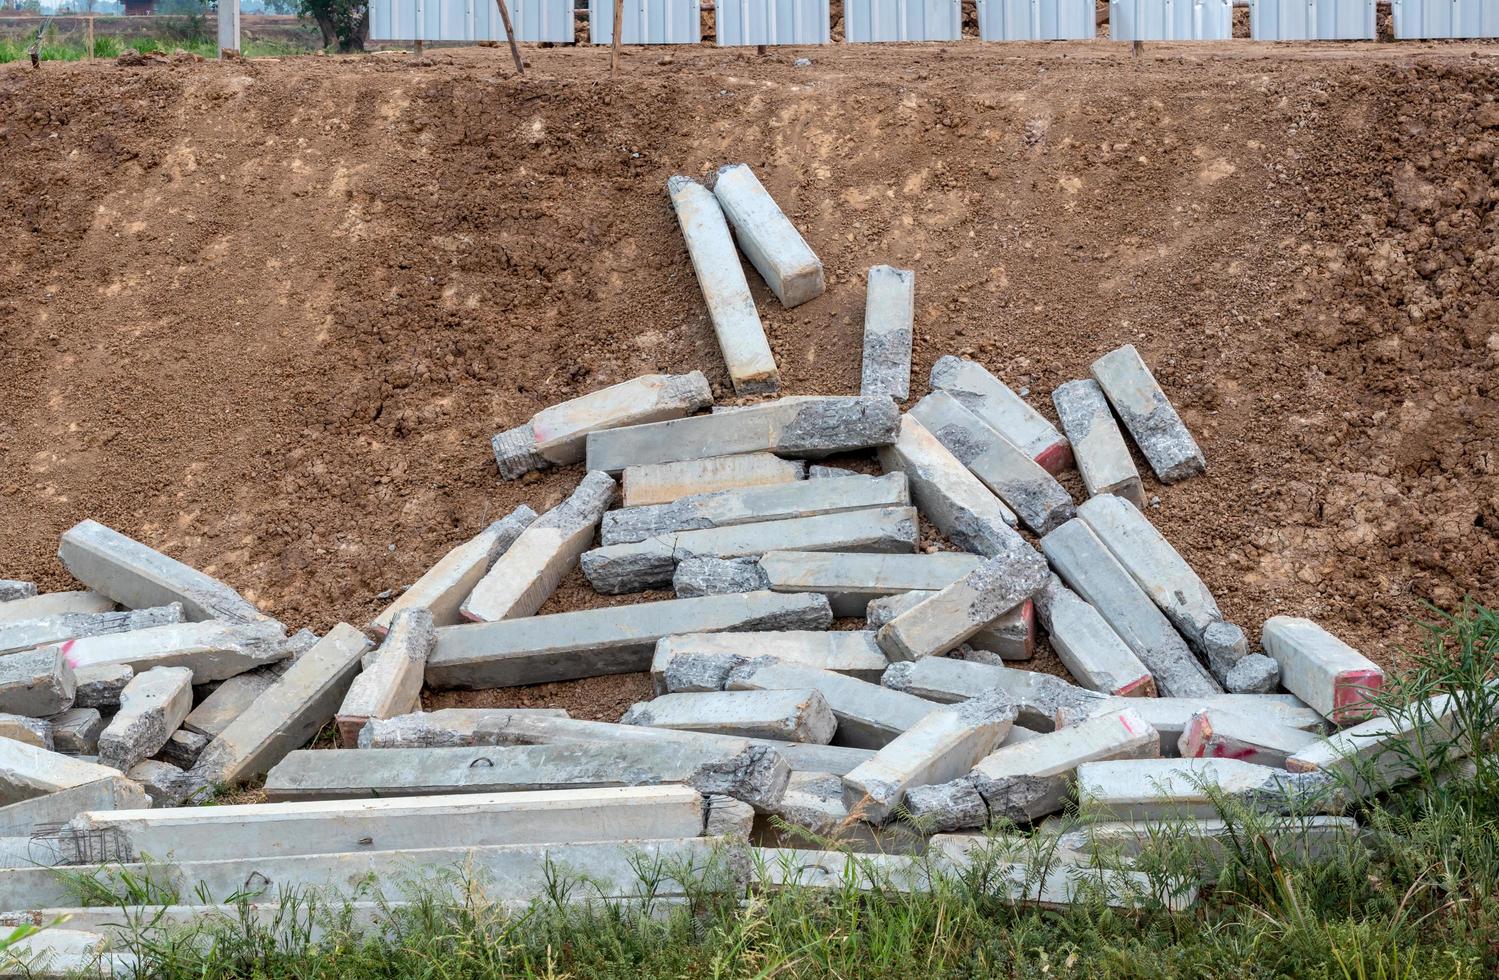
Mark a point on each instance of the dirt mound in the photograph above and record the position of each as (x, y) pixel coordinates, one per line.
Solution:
(265, 315)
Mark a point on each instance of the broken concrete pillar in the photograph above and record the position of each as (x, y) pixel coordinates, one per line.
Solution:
(1148, 415)
(1010, 474)
(1321, 669)
(556, 435)
(741, 337)
(939, 624)
(1087, 565)
(27, 771)
(594, 642)
(527, 574)
(889, 313)
(183, 748)
(30, 731)
(100, 686)
(813, 801)
(768, 239)
(54, 604)
(42, 814)
(805, 498)
(14, 589)
(1003, 411)
(36, 683)
(728, 817)
(1088, 646)
(211, 649)
(1166, 577)
(804, 427)
(733, 767)
(76, 731)
(1170, 716)
(851, 652)
(662, 483)
(1010, 637)
(1254, 674)
(167, 785)
(140, 577)
(152, 707)
(1214, 733)
(444, 586)
(949, 495)
(699, 576)
(942, 746)
(647, 564)
(851, 581)
(391, 682)
(32, 633)
(1098, 447)
(789, 715)
(468, 820)
(1163, 789)
(1044, 702)
(1027, 780)
(229, 700)
(869, 716)
(1381, 753)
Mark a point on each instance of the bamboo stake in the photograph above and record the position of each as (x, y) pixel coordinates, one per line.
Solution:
(520, 67)
(619, 18)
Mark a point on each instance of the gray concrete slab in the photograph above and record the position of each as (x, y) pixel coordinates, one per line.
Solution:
(1216, 843)
(1007, 471)
(526, 575)
(648, 564)
(556, 435)
(76, 731)
(27, 771)
(941, 623)
(804, 498)
(942, 746)
(139, 577)
(36, 683)
(444, 586)
(230, 700)
(1086, 564)
(31, 731)
(729, 818)
(166, 784)
(32, 633)
(733, 767)
(463, 820)
(869, 716)
(54, 604)
(1044, 702)
(789, 715)
(99, 686)
(1382, 752)
(1215, 733)
(851, 652)
(1155, 789)
(391, 682)
(1321, 669)
(767, 237)
(1098, 447)
(211, 649)
(183, 748)
(42, 814)
(741, 337)
(594, 642)
(948, 495)
(850, 581)
(1254, 674)
(14, 589)
(1170, 716)
(1010, 637)
(889, 314)
(662, 483)
(806, 427)
(1003, 411)
(699, 576)
(152, 707)
(1088, 646)
(1148, 414)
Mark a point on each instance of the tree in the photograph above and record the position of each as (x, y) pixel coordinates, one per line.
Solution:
(345, 23)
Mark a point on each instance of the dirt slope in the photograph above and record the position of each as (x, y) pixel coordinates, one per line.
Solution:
(265, 315)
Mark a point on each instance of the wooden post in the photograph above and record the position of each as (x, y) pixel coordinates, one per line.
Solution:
(520, 66)
(90, 37)
(619, 32)
(418, 49)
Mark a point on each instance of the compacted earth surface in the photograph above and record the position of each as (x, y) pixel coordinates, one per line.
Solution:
(265, 315)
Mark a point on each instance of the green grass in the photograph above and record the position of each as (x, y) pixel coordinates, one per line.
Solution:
(1416, 896)
(106, 47)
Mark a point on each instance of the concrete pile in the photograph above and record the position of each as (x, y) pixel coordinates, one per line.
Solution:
(155, 684)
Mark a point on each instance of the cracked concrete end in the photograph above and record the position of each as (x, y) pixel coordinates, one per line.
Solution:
(1254, 674)
(152, 707)
(1224, 645)
(756, 776)
(701, 575)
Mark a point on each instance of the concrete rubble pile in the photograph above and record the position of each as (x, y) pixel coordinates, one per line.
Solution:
(825, 671)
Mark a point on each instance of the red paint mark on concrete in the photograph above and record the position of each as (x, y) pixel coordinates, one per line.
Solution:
(67, 658)
(1350, 694)
(1124, 720)
(1055, 458)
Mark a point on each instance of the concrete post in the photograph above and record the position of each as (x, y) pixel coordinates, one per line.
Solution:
(1321, 669)
(229, 40)
(662, 483)
(768, 238)
(1148, 415)
(1003, 411)
(1098, 446)
(889, 314)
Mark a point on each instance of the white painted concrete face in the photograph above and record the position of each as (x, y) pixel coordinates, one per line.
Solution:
(789, 715)
(1088, 646)
(869, 716)
(213, 650)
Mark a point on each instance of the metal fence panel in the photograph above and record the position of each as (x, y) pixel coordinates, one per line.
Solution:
(1311, 20)
(1446, 18)
(647, 22)
(902, 20)
(470, 20)
(1171, 20)
(1036, 20)
(742, 22)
